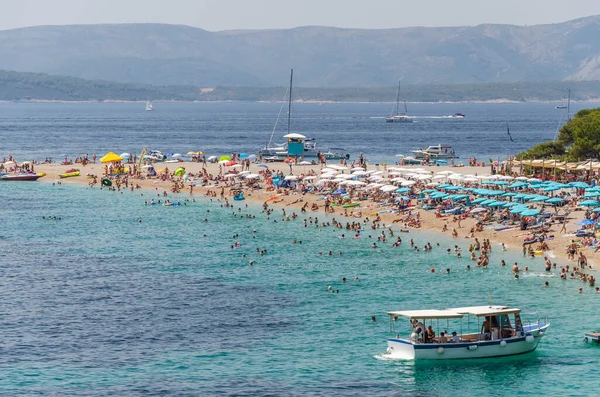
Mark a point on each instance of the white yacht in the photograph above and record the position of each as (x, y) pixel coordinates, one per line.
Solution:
(149, 106)
(435, 152)
(463, 333)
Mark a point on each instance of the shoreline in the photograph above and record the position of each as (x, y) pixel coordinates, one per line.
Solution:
(309, 101)
(511, 238)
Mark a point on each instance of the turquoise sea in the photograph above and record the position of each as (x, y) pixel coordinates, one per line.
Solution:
(98, 303)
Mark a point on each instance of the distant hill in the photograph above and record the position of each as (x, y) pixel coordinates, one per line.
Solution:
(23, 86)
(322, 56)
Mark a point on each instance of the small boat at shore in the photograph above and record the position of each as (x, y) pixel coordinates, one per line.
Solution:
(458, 115)
(592, 337)
(499, 332)
(21, 177)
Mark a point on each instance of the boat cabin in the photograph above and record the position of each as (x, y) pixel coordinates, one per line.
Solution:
(461, 325)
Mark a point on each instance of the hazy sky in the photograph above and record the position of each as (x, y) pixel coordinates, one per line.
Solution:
(268, 14)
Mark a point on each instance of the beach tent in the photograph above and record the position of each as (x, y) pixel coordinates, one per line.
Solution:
(111, 157)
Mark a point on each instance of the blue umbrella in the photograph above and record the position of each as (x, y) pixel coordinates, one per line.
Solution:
(591, 194)
(539, 199)
(496, 204)
(508, 205)
(589, 203)
(404, 190)
(586, 222)
(530, 212)
(509, 194)
(517, 185)
(340, 191)
(518, 209)
(555, 200)
(551, 188)
(581, 185)
(405, 198)
(262, 165)
(596, 209)
(479, 200)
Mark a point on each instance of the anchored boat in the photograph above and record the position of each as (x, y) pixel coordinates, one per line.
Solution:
(499, 332)
(21, 177)
(436, 152)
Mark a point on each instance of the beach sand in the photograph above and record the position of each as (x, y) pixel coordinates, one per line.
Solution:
(512, 238)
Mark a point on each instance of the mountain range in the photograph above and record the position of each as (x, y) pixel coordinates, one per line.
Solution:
(323, 57)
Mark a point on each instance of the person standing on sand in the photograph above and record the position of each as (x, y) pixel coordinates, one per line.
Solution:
(564, 226)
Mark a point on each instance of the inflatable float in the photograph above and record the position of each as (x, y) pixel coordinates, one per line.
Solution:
(106, 182)
(69, 174)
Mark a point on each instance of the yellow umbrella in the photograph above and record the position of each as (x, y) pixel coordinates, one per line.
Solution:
(193, 153)
(111, 157)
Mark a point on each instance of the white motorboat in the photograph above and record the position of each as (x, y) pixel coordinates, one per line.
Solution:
(499, 332)
(435, 152)
(399, 117)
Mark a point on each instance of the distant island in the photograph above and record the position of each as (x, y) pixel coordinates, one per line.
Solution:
(19, 86)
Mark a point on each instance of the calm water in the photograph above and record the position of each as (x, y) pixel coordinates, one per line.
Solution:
(99, 304)
(38, 130)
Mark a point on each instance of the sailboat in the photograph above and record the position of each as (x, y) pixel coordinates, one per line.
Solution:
(149, 107)
(399, 117)
(277, 153)
(568, 106)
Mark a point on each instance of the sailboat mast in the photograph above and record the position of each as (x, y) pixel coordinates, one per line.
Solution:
(290, 102)
(569, 106)
(398, 98)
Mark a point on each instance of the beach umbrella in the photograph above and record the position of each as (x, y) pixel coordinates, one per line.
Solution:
(212, 158)
(224, 158)
(310, 178)
(511, 204)
(551, 188)
(555, 200)
(589, 203)
(580, 185)
(403, 190)
(304, 163)
(408, 183)
(230, 175)
(591, 194)
(192, 153)
(518, 209)
(176, 155)
(356, 183)
(263, 165)
(479, 200)
(252, 176)
(496, 204)
(532, 212)
(147, 167)
(291, 178)
(539, 199)
(289, 160)
(478, 210)
(517, 185)
(405, 198)
(586, 222)
(243, 172)
(596, 209)
(339, 191)
(509, 194)
(521, 178)
(111, 157)
(125, 155)
(230, 163)
(243, 155)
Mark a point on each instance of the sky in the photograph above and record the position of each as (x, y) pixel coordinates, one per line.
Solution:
(216, 15)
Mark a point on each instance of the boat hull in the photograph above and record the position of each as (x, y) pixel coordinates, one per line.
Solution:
(9, 178)
(402, 349)
(69, 174)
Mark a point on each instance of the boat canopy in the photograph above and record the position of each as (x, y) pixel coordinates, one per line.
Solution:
(483, 311)
(294, 135)
(427, 314)
(459, 312)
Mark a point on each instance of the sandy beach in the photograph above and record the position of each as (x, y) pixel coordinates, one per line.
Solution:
(511, 238)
